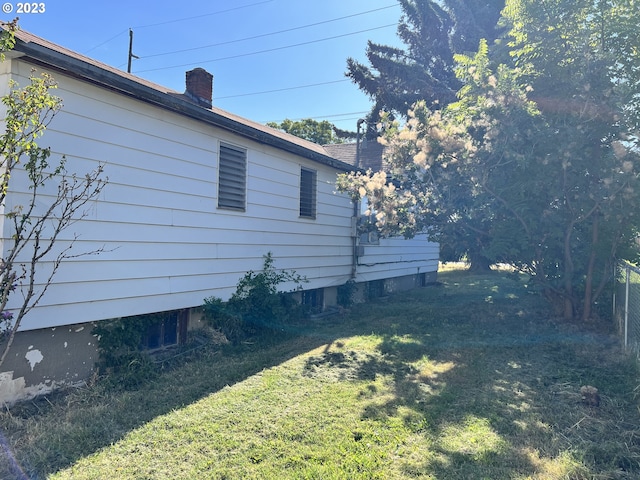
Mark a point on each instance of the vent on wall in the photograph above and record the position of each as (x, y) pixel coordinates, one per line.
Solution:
(232, 177)
(308, 186)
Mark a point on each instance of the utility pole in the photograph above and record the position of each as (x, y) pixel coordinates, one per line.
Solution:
(358, 124)
(131, 55)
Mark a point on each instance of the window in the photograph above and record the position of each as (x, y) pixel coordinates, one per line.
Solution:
(232, 177)
(367, 229)
(308, 193)
(375, 289)
(314, 300)
(371, 237)
(168, 329)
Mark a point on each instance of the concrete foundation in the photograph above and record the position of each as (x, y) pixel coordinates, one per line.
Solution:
(43, 360)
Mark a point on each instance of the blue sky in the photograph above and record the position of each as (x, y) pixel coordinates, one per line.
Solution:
(250, 46)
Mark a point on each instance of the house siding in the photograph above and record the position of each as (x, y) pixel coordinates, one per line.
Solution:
(397, 257)
(165, 243)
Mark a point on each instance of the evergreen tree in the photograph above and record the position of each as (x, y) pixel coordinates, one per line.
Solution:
(320, 132)
(432, 32)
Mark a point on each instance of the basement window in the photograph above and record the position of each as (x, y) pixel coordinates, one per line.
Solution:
(308, 186)
(232, 177)
(170, 329)
(313, 300)
(375, 289)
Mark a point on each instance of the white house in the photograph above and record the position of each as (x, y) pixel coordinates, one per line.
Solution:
(195, 197)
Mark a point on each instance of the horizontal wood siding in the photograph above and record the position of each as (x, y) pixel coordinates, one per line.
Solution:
(397, 257)
(166, 244)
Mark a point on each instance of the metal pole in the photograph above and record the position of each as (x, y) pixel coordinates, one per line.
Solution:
(131, 55)
(358, 124)
(356, 210)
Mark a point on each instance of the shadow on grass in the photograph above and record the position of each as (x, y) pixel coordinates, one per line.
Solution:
(475, 373)
(82, 421)
(495, 390)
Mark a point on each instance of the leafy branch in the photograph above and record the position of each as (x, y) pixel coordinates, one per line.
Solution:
(29, 260)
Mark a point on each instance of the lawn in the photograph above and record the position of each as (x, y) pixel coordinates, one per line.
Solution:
(470, 379)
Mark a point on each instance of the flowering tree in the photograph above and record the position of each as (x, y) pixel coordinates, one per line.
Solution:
(32, 230)
(538, 159)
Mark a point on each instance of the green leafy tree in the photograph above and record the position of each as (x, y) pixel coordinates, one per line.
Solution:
(433, 32)
(29, 260)
(322, 133)
(539, 155)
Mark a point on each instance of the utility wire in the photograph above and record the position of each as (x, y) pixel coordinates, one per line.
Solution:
(283, 89)
(268, 50)
(175, 21)
(203, 15)
(106, 41)
(359, 114)
(267, 34)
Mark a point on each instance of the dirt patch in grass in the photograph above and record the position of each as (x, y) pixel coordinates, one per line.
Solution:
(469, 379)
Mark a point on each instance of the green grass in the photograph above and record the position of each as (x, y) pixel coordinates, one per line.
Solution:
(467, 380)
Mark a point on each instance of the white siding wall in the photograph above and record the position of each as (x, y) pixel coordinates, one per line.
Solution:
(397, 257)
(167, 246)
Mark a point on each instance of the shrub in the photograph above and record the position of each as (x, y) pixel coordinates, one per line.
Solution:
(256, 304)
(221, 317)
(346, 293)
(119, 348)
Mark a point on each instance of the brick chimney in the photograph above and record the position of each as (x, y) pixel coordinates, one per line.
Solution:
(200, 87)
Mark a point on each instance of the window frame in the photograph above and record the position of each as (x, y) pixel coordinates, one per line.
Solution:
(313, 299)
(232, 177)
(169, 330)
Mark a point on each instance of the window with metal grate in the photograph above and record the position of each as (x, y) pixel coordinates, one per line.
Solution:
(232, 177)
(308, 186)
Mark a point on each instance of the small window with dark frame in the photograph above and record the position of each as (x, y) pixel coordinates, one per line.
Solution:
(308, 186)
(313, 300)
(167, 330)
(232, 177)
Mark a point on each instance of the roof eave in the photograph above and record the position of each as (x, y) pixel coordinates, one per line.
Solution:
(127, 86)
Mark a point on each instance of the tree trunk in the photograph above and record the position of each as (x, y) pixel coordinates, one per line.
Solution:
(479, 263)
(588, 294)
(569, 299)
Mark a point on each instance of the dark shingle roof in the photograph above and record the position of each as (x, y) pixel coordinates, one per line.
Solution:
(47, 54)
(371, 154)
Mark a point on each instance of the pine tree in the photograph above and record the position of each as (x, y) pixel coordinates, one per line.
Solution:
(432, 32)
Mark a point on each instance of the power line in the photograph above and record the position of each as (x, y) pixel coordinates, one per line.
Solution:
(105, 42)
(177, 20)
(283, 89)
(203, 15)
(267, 34)
(359, 114)
(267, 50)
(343, 114)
